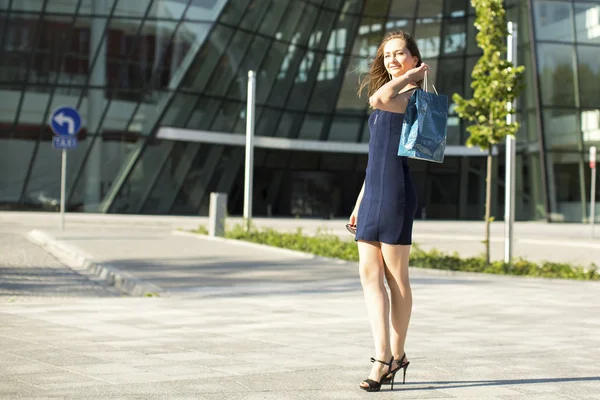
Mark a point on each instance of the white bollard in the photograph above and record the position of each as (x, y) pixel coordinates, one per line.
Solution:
(216, 214)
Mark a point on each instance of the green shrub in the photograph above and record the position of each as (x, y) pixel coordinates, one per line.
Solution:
(328, 245)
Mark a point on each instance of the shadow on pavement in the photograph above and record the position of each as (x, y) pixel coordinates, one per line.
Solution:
(499, 382)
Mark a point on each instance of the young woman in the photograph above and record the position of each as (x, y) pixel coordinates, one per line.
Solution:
(386, 206)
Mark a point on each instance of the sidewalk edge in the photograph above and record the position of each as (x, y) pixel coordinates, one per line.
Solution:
(84, 264)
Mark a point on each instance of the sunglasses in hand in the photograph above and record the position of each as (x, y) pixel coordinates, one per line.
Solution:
(351, 228)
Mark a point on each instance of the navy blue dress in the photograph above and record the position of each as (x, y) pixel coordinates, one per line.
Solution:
(387, 210)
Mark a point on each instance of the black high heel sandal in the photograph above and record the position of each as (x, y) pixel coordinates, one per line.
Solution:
(374, 386)
(389, 378)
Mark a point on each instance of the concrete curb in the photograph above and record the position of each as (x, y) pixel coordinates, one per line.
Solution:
(422, 271)
(84, 264)
(258, 246)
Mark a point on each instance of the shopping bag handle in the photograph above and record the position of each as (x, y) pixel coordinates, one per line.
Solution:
(427, 86)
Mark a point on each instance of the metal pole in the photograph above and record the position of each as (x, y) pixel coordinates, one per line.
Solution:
(593, 189)
(63, 184)
(249, 150)
(511, 153)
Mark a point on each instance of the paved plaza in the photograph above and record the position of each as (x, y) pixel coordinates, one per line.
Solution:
(126, 307)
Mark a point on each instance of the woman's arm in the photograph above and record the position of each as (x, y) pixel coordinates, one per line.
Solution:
(386, 97)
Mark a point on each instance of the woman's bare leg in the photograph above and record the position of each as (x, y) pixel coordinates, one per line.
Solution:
(396, 259)
(371, 271)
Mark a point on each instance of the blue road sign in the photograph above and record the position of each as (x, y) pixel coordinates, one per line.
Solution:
(61, 142)
(65, 121)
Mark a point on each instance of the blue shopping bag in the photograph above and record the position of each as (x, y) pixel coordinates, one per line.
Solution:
(424, 129)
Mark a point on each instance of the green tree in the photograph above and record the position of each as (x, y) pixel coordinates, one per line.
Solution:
(496, 81)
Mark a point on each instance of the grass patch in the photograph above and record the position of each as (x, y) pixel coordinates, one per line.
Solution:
(328, 245)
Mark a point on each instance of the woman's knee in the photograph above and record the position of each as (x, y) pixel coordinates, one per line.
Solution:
(371, 272)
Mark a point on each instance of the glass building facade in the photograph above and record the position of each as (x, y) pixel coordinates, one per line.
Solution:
(161, 86)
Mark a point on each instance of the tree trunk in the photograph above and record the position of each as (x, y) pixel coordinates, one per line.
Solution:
(488, 204)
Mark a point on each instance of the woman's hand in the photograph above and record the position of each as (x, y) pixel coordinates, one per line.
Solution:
(353, 218)
(418, 73)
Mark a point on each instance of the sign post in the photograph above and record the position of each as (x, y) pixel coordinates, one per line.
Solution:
(511, 154)
(593, 188)
(249, 150)
(65, 122)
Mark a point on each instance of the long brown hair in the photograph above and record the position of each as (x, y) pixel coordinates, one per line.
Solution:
(378, 75)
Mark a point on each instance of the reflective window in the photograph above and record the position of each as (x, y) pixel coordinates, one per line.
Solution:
(560, 129)
(427, 35)
(207, 60)
(455, 8)
(344, 129)
(455, 36)
(589, 75)
(15, 156)
(553, 21)
(348, 98)
(587, 22)
(229, 63)
(376, 8)
(234, 11)
(369, 36)
(312, 127)
(556, 74)
(430, 8)
(275, 15)
(403, 8)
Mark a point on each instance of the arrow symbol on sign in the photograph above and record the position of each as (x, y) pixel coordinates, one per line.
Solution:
(61, 119)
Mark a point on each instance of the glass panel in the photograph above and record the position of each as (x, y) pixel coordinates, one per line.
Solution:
(168, 9)
(366, 134)
(227, 116)
(345, 31)
(427, 35)
(399, 25)
(327, 86)
(430, 8)
(15, 156)
(455, 36)
(207, 60)
(267, 122)
(234, 11)
(403, 8)
(472, 48)
(204, 113)
(143, 175)
(26, 5)
(587, 22)
(288, 125)
(228, 65)
(370, 33)
(455, 8)
(553, 21)
(318, 38)
(451, 73)
(255, 15)
(207, 10)
(376, 8)
(135, 9)
(312, 127)
(254, 57)
(287, 27)
(560, 129)
(348, 99)
(556, 69)
(590, 127)
(589, 75)
(276, 13)
(344, 129)
(179, 110)
(171, 178)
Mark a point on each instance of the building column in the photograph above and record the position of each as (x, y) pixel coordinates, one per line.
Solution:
(95, 107)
